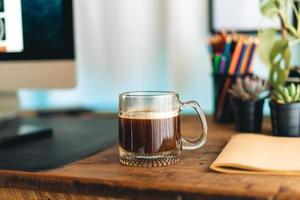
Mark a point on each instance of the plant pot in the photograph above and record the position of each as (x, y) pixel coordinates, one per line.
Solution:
(285, 119)
(248, 115)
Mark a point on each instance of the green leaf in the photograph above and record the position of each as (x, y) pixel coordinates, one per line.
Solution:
(292, 90)
(297, 95)
(280, 58)
(272, 77)
(286, 96)
(268, 7)
(278, 97)
(280, 90)
(282, 75)
(267, 39)
(280, 48)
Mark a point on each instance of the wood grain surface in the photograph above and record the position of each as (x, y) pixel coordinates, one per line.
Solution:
(21, 194)
(102, 175)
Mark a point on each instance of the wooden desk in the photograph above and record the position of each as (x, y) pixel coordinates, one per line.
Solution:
(103, 175)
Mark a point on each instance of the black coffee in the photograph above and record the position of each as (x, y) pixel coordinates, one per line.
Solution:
(149, 135)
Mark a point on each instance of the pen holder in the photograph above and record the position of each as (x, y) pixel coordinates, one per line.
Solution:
(223, 105)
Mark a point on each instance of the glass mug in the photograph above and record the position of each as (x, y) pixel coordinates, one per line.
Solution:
(149, 128)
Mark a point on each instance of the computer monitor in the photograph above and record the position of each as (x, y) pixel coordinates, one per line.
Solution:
(36, 44)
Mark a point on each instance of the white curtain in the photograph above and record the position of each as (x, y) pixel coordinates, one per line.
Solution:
(125, 45)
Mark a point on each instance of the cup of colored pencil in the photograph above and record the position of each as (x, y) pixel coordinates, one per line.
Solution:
(231, 57)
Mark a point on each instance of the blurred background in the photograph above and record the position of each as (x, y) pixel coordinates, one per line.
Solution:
(137, 45)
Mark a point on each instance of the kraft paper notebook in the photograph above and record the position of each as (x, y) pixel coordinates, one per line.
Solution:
(259, 154)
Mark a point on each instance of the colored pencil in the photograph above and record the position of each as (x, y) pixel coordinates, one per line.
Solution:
(223, 35)
(241, 57)
(217, 61)
(225, 56)
(223, 65)
(249, 68)
(217, 44)
(246, 58)
(227, 47)
(235, 56)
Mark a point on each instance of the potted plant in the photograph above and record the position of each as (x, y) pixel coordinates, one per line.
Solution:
(248, 101)
(285, 111)
(275, 50)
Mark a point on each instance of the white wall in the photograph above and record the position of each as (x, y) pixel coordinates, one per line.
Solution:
(124, 45)
(136, 45)
(188, 59)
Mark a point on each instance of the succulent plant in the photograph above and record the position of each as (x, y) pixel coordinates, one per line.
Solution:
(286, 94)
(249, 88)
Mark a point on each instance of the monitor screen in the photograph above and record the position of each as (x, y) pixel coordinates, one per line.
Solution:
(36, 29)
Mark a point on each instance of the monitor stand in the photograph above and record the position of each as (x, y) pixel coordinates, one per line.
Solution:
(12, 128)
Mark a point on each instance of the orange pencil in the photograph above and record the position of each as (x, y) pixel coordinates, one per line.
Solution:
(235, 56)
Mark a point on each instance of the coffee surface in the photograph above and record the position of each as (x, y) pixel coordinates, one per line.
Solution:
(149, 134)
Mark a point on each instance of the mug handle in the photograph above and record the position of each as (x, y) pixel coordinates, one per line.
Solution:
(198, 142)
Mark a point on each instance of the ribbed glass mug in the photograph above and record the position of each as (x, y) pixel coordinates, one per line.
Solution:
(149, 128)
